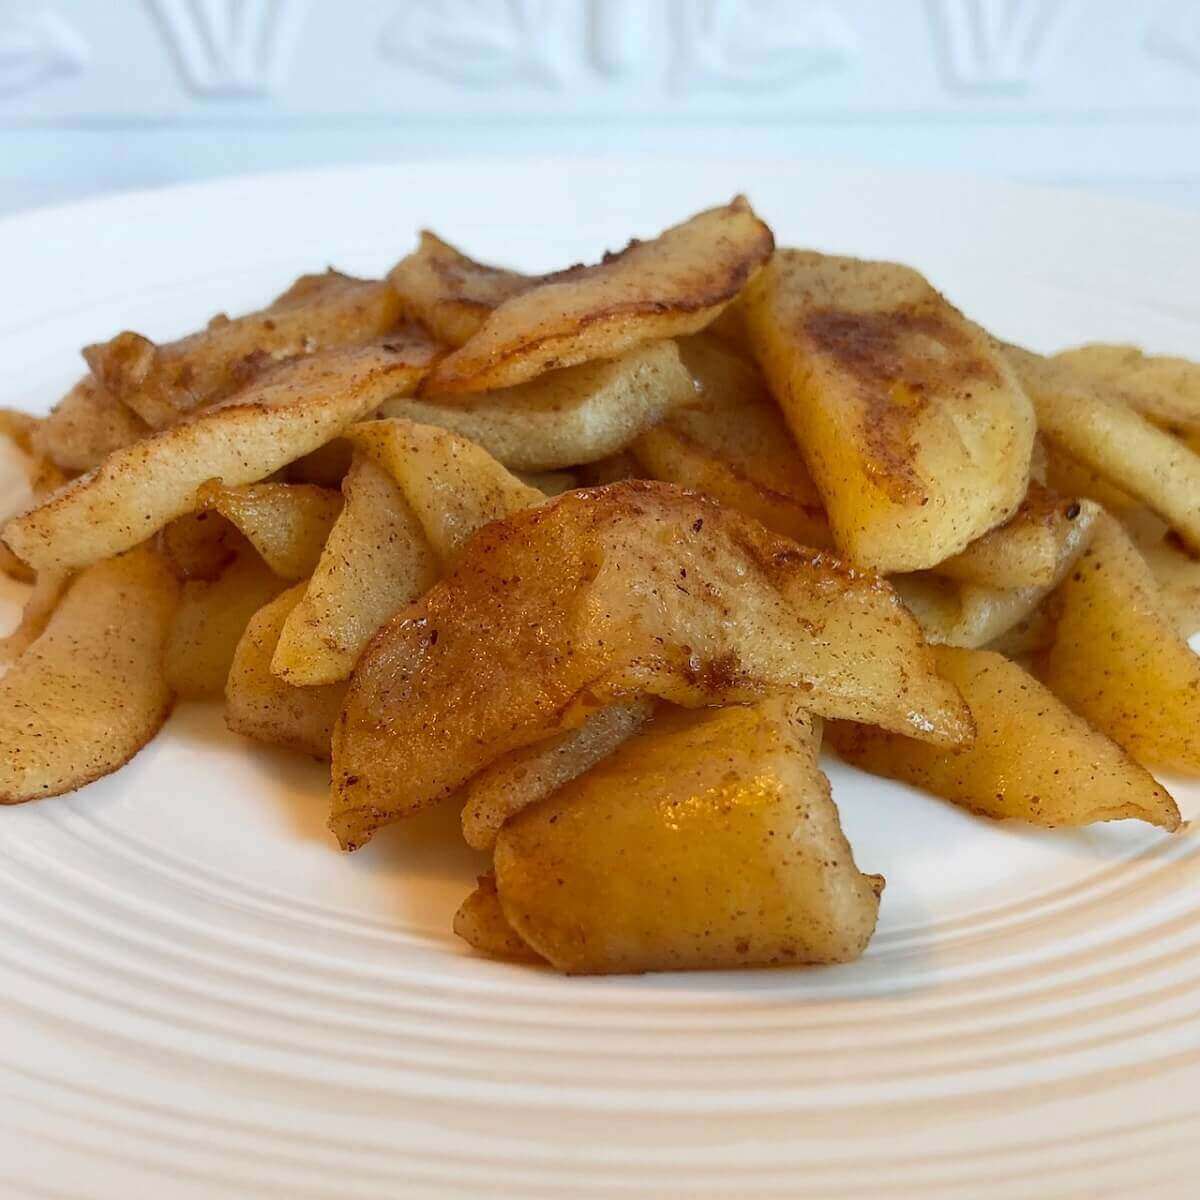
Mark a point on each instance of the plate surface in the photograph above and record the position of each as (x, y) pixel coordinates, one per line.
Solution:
(200, 997)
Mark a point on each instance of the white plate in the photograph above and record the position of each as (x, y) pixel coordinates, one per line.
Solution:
(200, 997)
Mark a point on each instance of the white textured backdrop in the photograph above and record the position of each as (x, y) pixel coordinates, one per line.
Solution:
(98, 94)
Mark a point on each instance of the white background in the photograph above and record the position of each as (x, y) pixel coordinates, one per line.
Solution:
(97, 95)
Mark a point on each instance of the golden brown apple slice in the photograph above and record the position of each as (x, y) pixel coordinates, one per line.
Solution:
(1028, 549)
(89, 693)
(525, 776)
(732, 443)
(212, 616)
(637, 589)
(415, 493)
(161, 383)
(453, 485)
(915, 428)
(450, 294)
(957, 613)
(49, 587)
(86, 426)
(1112, 439)
(481, 923)
(1163, 388)
(1117, 658)
(136, 491)
(1176, 572)
(376, 560)
(709, 840)
(260, 705)
(1032, 758)
(564, 418)
(673, 284)
(287, 523)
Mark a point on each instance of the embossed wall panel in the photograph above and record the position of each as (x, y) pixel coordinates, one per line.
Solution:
(766, 58)
(1055, 89)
